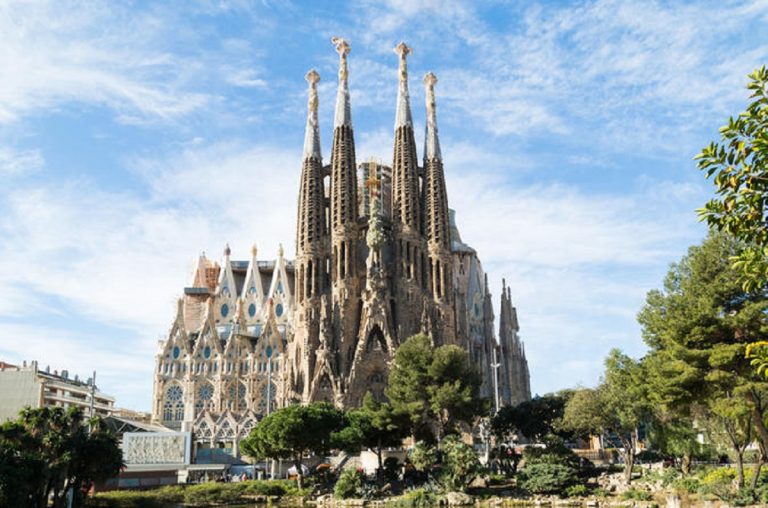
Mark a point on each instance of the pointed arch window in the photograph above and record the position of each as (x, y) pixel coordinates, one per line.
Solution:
(204, 399)
(236, 397)
(173, 407)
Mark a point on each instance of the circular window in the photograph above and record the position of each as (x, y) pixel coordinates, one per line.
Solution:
(252, 310)
(279, 309)
(174, 393)
(205, 392)
(252, 290)
(224, 310)
(225, 291)
(207, 352)
(176, 352)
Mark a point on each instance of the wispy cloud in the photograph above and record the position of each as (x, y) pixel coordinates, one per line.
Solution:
(598, 67)
(108, 54)
(19, 162)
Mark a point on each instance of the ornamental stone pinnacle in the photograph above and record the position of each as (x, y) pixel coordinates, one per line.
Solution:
(403, 115)
(431, 141)
(312, 133)
(343, 109)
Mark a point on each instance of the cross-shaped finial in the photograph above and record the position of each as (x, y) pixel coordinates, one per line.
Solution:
(430, 79)
(402, 50)
(342, 46)
(312, 78)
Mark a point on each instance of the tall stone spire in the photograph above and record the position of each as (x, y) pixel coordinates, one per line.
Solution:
(405, 183)
(310, 231)
(343, 176)
(343, 115)
(312, 132)
(403, 114)
(435, 195)
(431, 141)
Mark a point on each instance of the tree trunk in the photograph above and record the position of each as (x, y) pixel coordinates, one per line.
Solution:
(629, 457)
(756, 415)
(299, 472)
(380, 470)
(756, 471)
(685, 463)
(629, 464)
(740, 466)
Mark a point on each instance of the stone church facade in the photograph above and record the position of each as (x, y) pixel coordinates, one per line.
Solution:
(378, 259)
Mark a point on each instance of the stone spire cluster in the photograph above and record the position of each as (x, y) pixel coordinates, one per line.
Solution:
(378, 259)
(516, 382)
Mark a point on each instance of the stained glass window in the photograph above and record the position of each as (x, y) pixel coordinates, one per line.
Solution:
(204, 398)
(173, 409)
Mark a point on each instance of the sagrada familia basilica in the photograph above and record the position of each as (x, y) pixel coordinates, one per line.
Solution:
(378, 259)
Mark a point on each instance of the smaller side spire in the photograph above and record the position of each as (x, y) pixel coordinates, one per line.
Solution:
(403, 116)
(431, 140)
(312, 133)
(343, 115)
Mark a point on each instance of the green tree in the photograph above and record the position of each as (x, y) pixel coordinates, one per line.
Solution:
(49, 451)
(293, 431)
(538, 419)
(697, 328)
(727, 423)
(434, 388)
(374, 425)
(460, 463)
(616, 407)
(738, 165)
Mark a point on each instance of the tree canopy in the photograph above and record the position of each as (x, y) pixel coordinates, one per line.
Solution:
(617, 407)
(293, 431)
(374, 425)
(738, 165)
(434, 388)
(538, 420)
(48, 451)
(697, 328)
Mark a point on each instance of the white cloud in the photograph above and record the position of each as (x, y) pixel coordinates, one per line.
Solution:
(19, 162)
(137, 63)
(603, 71)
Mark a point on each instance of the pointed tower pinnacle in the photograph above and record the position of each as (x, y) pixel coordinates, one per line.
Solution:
(343, 109)
(312, 133)
(403, 116)
(431, 141)
(343, 210)
(406, 199)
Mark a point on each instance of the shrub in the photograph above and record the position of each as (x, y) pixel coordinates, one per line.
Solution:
(497, 479)
(579, 490)
(210, 493)
(417, 498)
(689, 484)
(460, 464)
(637, 495)
(719, 482)
(547, 478)
(423, 456)
(273, 488)
(349, 484)
(391, 469)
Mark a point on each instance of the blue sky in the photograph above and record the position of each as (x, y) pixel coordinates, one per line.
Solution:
(134, 135)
